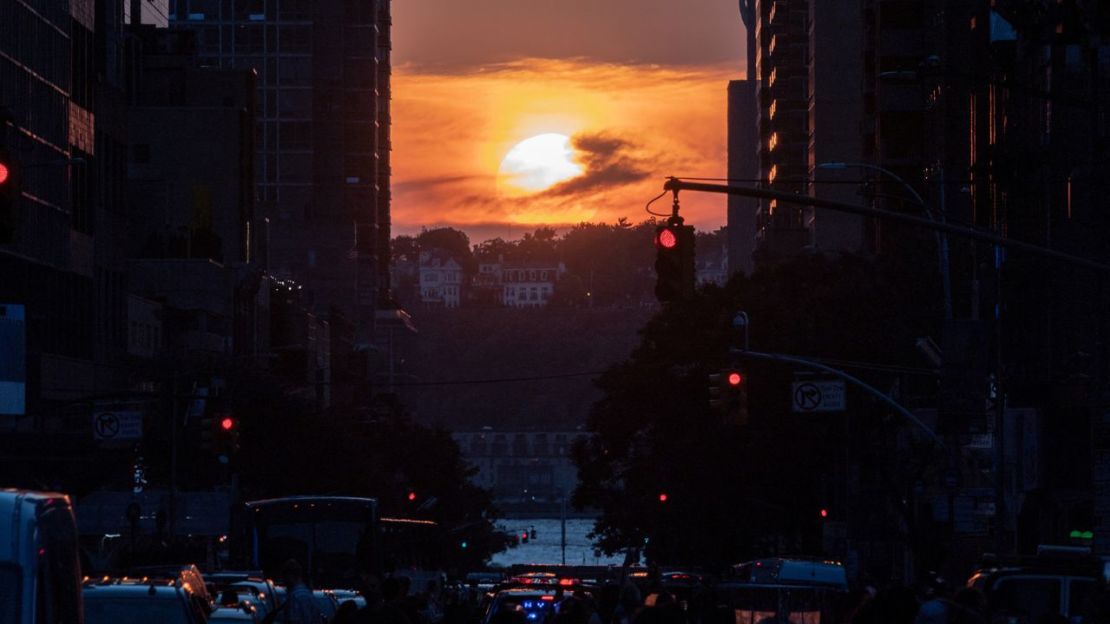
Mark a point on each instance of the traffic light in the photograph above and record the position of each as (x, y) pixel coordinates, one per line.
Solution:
(208, 434)
(728, 394)
(663, 497)
(411, 496)
(524, 537)
(9, 193)
(219, 435)
(674, 261)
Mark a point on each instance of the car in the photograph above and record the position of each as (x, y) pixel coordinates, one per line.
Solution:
(262, 587)
(343, 595)
(536, 604)
(233, 615)
(245, 597)
(38, 529)
(142, 600)
(186, 574)
(326, 602)
(1057, 581)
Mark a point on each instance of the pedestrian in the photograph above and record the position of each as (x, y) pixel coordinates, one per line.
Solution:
(937, 607)
(969, 607)
(377, 610)
(628, 604)
(300, 605)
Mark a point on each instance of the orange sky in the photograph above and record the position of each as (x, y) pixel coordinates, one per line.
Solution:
(633, 118)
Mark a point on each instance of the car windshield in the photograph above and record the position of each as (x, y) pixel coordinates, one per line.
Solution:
(144, 610)
(9, 593)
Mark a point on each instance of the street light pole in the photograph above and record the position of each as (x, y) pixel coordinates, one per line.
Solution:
(942, 238)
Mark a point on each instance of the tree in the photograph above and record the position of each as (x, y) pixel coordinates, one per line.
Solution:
(538, 246)
(455, 242)
(613, 261)
(405, 248)
(739, 491)
(493, 250)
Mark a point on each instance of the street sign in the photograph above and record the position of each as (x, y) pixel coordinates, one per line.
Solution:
(818, 396)
(122, 425)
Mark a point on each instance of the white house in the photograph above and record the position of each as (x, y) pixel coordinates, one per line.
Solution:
(441, 279)
(529, 285)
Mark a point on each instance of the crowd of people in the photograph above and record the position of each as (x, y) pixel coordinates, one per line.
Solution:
(389, 600)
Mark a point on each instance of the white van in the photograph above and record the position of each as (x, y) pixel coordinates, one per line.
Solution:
(40, 570)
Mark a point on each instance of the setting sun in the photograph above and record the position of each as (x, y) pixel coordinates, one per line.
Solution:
(539, 163)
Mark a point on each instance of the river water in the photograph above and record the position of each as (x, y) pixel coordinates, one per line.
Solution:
(546, 548)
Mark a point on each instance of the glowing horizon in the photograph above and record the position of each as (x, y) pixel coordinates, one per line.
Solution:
(628, 127)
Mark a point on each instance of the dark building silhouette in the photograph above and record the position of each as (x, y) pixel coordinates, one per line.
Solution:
(322, 136)
(781, 78)
(60, 119)
(191, 167)
(743, 165)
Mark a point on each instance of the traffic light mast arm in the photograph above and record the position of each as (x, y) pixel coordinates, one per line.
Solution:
(859, 383)
(676, 184)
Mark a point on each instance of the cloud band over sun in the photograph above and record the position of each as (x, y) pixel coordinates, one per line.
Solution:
(630, 126)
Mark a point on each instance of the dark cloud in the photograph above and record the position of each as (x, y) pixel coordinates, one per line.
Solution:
(479, 32)
(425, 184)
(608, 161)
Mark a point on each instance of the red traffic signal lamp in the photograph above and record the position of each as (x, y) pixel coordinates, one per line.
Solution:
(824, 513)
(411, 496)
(219, 435)
(674, 261)
(5, 172)
(728, 394)
(666, 238)
(663, 497)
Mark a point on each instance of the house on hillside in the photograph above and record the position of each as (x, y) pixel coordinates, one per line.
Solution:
(441, 279)
(529, 284)
(485, 287)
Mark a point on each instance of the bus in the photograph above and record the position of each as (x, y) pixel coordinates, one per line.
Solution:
(786, 591)
(334, 538)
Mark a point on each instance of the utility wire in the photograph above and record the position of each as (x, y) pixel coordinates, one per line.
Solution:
(463, 382)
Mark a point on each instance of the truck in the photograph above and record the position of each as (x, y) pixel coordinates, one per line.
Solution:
(40, 569)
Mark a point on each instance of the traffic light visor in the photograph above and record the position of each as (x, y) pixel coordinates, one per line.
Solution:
(666, 238)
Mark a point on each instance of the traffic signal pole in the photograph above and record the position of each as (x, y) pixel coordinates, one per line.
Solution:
(973, 233)
(675, 185)
(852, 379)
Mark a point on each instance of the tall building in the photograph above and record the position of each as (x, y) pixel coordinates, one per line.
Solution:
(782, 95)
(743, 166)
(60, 122)
(799, 110)
(322, 140)
(834, 114)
